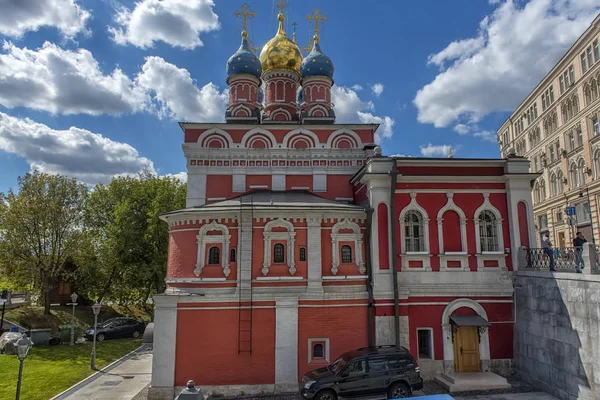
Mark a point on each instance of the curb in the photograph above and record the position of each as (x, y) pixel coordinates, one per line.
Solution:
(99, 373)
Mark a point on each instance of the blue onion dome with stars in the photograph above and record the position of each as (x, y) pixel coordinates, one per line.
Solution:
(244, 61)
(261, 95)
(316, 63)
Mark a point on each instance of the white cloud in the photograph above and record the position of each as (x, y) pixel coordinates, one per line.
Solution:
(437, 150)
(182, 176)
(495, 70)
(488, 136)
(175, 22)
(63, 81)
(377, 89)
(20, 16)
(462, 129)
(75, 152)
(349, 108)
(357, 88)
(177, 96)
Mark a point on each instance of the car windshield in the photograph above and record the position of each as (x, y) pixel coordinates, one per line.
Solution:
(337, 365)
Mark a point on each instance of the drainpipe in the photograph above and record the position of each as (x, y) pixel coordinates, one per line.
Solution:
(370, 309)
(394, 178)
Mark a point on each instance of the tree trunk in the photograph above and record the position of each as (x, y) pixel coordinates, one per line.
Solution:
(47, 301)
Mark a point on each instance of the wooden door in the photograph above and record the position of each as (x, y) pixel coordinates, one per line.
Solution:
(466, 349)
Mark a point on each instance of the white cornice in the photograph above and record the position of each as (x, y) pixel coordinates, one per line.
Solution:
(290, 126)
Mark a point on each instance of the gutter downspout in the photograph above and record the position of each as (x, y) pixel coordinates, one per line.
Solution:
(370, 309)
(394, 178)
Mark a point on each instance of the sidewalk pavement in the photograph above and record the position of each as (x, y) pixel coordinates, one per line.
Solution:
(122, 380)
(511, 396)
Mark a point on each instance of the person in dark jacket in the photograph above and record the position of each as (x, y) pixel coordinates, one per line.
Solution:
(578, 245)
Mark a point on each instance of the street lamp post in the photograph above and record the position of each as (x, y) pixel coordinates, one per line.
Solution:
(23, 346)
(96, 309)
(73, 303)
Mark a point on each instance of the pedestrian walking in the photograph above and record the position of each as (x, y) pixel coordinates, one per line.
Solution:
(578, 245)
(547, 246)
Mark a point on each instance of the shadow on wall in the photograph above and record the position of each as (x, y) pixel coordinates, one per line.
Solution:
(558, 333)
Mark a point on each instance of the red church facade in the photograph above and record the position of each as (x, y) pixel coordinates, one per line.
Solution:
(300, 241)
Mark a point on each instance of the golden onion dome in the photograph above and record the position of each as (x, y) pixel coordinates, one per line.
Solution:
(280, 52)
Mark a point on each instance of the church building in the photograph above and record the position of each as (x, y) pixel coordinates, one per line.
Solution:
(301, 241)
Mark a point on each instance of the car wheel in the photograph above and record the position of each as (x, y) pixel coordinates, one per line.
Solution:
(326, 395)
(136, 334)
(100, 337)
(398, 391)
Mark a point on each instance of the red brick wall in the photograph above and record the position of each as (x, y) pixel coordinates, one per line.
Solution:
(207, 348)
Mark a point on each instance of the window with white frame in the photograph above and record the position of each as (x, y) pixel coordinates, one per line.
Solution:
(425, 343)
(579, 133)
(413, 228)
(567, 79)
(488, 231)
(571, 141)
(279, 253)
(561, 184)
(590, 56)
(337, 250)
(573, 176)
(536, 193)
(543, 222)
(580, 172)
(542, 189)
(596, 126)
(547, 98)
(553, 185)
(551, 154)
(214, 255)
(582, 213)
(597, 164)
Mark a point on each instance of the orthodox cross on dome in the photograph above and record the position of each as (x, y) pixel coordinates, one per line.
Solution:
(294, 24)
(281, 5)
(309, 46)
(316, 19)
(254, 49)
(244, 15)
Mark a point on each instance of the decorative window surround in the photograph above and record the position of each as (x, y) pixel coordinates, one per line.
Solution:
(325, 342)
(204, 239)
(461, 256)
(423, 256)
(355, 237)
(288, 236)
(498, 255)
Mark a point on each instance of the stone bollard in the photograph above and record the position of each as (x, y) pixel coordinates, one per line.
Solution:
(589, 258)
(190, 393)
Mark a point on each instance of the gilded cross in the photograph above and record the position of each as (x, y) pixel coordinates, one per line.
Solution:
(294, 24)
(244, 15)
(309, 46)
(281, 5)
(251, 47)
(316, 19)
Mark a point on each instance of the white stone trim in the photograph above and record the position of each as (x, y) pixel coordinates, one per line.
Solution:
(203, 239)
(497, 256)
(484, 344)
(288, 236)
(355, 237)
(165, 335)
(290, 135)
(423, 256)
(286, 341)
(251, 133)
(461, 256)
(311, 341)
(348, 132)
(218, 131)
(487, 206)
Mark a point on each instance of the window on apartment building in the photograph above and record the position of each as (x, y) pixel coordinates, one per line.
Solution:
(551, 153)
(596, 163)
(505, 137)
(579, 136)
(536, 166)
(580, 172)
(590, 56)
(582, 213)
(571, 141)
(596, 50)
(425, 343)
(584, 66)
(567, 79)
(561, 182)
(553, 185)
(559, 216)
(596, 126)
(543, 222)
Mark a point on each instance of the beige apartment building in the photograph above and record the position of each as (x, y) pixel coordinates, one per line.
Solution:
(557, 128)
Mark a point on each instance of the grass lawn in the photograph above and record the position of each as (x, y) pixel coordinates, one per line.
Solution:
(48, 370)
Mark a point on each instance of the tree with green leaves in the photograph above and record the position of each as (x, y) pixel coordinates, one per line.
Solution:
(129, 244)
(41, 229)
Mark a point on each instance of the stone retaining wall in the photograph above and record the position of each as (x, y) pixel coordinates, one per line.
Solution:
(557, 342)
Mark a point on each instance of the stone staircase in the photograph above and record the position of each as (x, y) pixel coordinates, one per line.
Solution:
(471, 381)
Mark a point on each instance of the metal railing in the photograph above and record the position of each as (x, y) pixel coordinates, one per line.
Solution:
(564, 258)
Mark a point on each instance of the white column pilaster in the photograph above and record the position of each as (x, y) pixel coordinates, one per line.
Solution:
(314, 258)
(165, 333)
(286, 341)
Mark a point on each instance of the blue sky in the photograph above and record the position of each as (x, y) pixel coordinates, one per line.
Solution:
(96, 89)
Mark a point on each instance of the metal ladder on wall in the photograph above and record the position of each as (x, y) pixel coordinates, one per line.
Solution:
(245, 222)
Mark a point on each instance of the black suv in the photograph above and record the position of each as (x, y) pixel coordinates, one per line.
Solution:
(366, 371)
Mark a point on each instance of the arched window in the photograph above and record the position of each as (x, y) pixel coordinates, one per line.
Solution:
(597, 163)
(488, 231)
(413, 227)
(542, 189)
(581, 172)
(214, 255)
(536, 193)
(575, 104)
(573, 176)
(560, 182)
(318, 351)
(232, 255)
(278, 253)
(302, 254)
(587, 93)
(346, 254)
(553, 185)
(594, 90)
